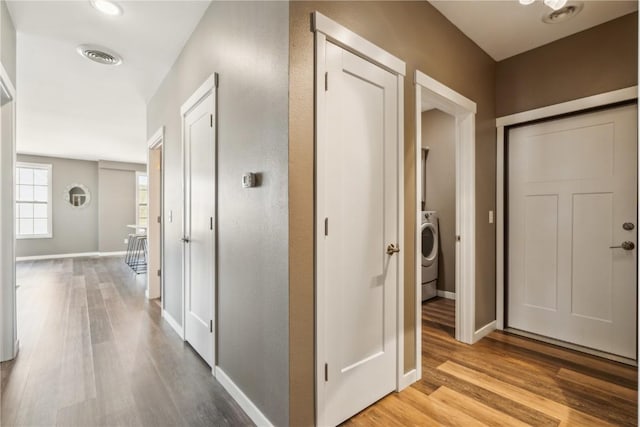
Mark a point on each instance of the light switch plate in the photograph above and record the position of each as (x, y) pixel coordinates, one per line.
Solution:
(248, 180)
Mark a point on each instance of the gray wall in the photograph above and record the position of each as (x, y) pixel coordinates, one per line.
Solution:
(247, 44)
(8, 331)
(439, 133)
(117, 206)
(75, 230)
(99, 227)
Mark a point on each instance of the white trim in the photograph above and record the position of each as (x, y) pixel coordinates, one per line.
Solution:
(463, 109)
(245, 403)
(484, 331)
(568, 107)
(49, 168)
(114, 253)
(173, 323)
(327, 30)
(156, 142)
(407, 379)
(208, 87)
(446, 294)
(593, 101)
(70, 255)
(351, 41)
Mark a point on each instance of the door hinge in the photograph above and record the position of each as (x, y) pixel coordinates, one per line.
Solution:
(211, 326)
(326, 372)
(159, 273)
(159, 219)
(326, 226)
(210, 223)
(211, 120)
(326, 81)
(457, 238)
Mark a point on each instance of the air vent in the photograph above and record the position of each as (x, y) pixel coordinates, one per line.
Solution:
(563, 14)
(99, 54)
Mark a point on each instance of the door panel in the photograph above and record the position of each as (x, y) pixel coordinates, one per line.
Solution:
(200, 187)
(358, 194)
(572, 186)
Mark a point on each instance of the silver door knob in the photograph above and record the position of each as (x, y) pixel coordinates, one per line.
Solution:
(627, 246)
(392, 249)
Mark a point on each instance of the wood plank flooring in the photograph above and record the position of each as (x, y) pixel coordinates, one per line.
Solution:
(95, 352)
(505, 380)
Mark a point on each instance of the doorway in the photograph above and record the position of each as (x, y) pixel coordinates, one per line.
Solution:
(200, 223)
(359, 203)
(447, 108)
(155, 174)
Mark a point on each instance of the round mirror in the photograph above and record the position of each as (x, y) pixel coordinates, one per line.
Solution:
(77, 195)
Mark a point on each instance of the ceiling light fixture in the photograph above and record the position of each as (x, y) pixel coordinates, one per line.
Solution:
(99, 54)
(564, 14)
(553, 4)
(107, 7)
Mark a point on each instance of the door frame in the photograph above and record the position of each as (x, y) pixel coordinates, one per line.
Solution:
(326, 30)
(9, 343)
(156, 142)
(464, 111)
(502, 125)
(208, 87)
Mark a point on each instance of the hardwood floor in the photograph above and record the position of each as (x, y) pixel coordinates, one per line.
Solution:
(95, 352)
(505, 380)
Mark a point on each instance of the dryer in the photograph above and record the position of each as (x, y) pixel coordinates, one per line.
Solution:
(429, 237)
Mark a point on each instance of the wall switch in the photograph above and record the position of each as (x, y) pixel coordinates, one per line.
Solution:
(248, 180)
(490, 217)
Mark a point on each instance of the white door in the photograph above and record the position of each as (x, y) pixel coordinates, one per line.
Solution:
(357, 211)
(199, 226)
(572, 188)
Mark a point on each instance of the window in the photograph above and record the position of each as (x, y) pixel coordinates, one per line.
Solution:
(33, 201)
(142, 199)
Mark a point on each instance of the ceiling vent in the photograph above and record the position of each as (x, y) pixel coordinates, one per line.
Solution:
(99, 54)
(563, 14)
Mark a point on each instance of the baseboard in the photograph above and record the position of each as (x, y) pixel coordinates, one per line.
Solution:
(172, 322)
(58, 256)
(484, 331)
(407, 379)
(115, 253)
(446, 294)
(245, 403)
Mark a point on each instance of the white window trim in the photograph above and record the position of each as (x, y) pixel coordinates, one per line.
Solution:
(49, 168)
(138, 174)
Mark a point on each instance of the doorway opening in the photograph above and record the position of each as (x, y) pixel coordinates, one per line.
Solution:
(441, 105)
(155, 206)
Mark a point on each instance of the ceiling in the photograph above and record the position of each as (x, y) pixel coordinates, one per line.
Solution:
(68, 106)
(505, 28)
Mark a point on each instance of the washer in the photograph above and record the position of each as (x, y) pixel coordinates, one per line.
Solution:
(429, 233)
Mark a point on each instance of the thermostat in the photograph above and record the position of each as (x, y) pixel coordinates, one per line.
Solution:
(248, 180)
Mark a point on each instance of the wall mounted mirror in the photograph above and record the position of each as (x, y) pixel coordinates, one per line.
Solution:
(77, 195)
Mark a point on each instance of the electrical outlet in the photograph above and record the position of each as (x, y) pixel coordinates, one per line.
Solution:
(126, 241)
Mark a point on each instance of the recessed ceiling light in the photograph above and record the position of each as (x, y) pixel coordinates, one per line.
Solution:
(562, 15)
(99, 54)
(526, 2)
(107, 7)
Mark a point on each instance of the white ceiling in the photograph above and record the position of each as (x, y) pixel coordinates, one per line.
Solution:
(505, 28)
(70, 107)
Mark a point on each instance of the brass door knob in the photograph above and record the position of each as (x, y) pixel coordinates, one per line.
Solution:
(392, 249)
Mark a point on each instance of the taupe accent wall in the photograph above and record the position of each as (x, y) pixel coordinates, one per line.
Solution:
(75, 230)
(597, 60)
(418, 34)
(246, 43)
(439, 134)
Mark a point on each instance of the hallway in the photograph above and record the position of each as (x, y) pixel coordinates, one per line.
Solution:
(505, 380)
(94, 351)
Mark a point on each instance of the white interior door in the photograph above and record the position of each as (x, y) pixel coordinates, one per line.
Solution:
(572, 188)
(357, 211)
(199, 226)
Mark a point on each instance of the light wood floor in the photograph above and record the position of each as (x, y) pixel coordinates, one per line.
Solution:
(505, 380)
(95, 352)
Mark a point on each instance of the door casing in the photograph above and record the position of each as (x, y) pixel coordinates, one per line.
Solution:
(325, 30)
(569, 107)
(207, 88)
